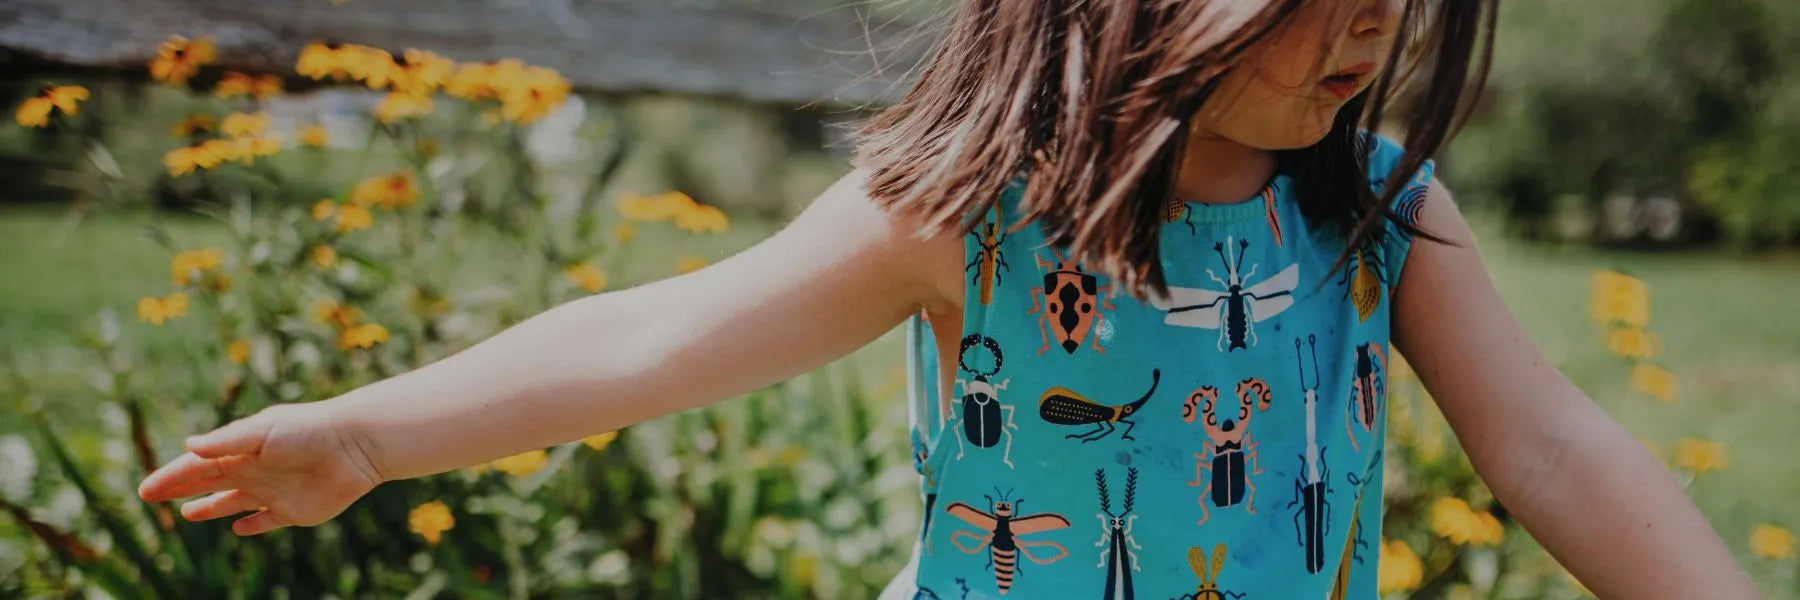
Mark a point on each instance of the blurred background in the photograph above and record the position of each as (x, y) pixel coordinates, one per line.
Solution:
(207, 207)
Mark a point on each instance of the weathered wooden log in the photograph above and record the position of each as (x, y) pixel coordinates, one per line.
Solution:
(797, 54)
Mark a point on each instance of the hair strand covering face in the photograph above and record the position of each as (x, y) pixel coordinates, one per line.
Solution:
(1090, 101)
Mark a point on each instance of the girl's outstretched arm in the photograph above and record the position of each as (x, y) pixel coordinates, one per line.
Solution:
(842, 274)
(1584, 487)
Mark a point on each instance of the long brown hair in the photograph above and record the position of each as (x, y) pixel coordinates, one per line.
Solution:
(1090, 101)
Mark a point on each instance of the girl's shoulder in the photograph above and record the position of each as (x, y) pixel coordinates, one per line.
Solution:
(1384, 157)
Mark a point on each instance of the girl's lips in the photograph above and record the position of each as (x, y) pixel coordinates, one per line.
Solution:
(1345, 83)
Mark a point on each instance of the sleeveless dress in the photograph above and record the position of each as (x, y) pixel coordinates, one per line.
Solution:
(1224, 442)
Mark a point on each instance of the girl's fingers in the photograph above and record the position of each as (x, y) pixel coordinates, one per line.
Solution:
(262, 522)
(222, 504)
(171, 481)
(243, 436)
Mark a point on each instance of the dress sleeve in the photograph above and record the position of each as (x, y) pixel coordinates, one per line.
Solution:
(1396, 242)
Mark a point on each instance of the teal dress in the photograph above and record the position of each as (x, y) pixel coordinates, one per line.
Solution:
(1222, 442)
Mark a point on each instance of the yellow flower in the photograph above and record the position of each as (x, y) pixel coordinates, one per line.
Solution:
(324, 256)
(1631, 342)
(1772, 542)
(689, 264)
(323, 209)
(35, 112)
(702, 219)
(319, 61)
(233, 84)
(535, 93)
(313, 136)
(402, 105)
(430, 520)
(366, 335)
(522, 464)
(392, 191)
(624, 232)
(1701, 456)
(421, 72)
(192, 126)
(182, 161)
(485, 81)
(155, 310)
(351, 217)
(338, 315)
(1654, 381)
(1620, 298)
(660, 207)
(180, 58)
(221, 151)
(1453, 519)
(585, 276)
(244, 124)
(193, 265)
(600, 441)
(238, 352)
(372, 66)
(1399, 569)
(266, 86)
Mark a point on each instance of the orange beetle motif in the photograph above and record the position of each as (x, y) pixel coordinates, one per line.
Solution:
(1070, 301)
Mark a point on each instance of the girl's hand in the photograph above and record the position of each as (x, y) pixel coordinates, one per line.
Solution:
(294, 464)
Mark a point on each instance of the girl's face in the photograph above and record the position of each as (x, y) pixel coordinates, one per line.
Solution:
(1287, 90)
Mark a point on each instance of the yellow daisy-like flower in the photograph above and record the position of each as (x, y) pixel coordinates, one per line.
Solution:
(351, 217)
(266, 87)
(36, 111)
(535, 93)
(193, 125)
(585, 276)
(1631, 342)
(323, 210)
(600, 441)
(402, 105)
(155, 310)
(1453, 519)
(182, 161)
(238, 352)
(319, 61)
(234, 84)
(244, 124)
(1654, 381)
(484, 81)
(689, 264)
(1701, 456)
(1619, 298)
(366, 335)
(179, 58)
(225, 150)
(624, 232)
(323, 256)
(392, 191)
(1772, 542)
(430, 520)
(421, 72)
(660, 207)
(372, 66)
(313, 136)
(702, 219)
(522, 464)
(193, 265)
(1399, 569)
(336, 314)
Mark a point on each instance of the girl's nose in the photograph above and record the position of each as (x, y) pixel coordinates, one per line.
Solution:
(1375, 18)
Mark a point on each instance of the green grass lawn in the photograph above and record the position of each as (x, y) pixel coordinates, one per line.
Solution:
(1727, 322)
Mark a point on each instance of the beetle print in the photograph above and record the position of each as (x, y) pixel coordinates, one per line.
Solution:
(1179, 211)
(1367, 390)
(1070, 301)
(1239, 306)
(1312, 519)
(1001, 533)
(984, 420)
(1063, 406)
(1209, 577)
(990, 259)
(1115, 543)
(1229, 449)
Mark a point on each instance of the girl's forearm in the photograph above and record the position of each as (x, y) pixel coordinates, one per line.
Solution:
(1612, 515)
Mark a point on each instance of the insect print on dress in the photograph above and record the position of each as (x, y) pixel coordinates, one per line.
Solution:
(1354, 541)
(1312, 518)
(1116, 543)
(1230, 447)
(1274, 217)
(984, 420)
(990, 259)
(1364, 277)
(1236, 309)
(925, 593)
(1001, 532)
(1368, 389)
(1063, 406)
(1071, 300)
(1209, 577)
(922, 464)
(1179, 211)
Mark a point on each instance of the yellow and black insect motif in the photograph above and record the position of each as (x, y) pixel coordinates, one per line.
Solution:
(1209, 577)
(1063, 406)
(990, 259)
(1000, 532)
(1179, 211)
(1364, 277)
(1341, 584)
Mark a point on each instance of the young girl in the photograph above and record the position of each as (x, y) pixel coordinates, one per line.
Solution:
(1159, 262)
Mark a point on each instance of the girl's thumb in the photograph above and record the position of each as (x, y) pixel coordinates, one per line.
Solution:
(244, 436)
